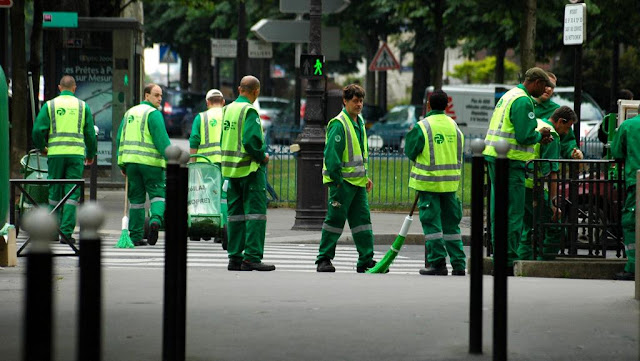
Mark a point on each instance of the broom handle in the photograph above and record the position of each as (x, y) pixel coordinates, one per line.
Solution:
(126, 194)
(415, 202)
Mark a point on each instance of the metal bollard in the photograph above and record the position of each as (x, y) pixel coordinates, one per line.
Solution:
(37, 342)
(90, 218)
(93, 180)
(500, 253)
(175, 274)
(477, 227)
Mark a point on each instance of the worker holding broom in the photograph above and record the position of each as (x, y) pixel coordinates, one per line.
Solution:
(436, 146)
(141, 142)
(68, 122)
(345, 171)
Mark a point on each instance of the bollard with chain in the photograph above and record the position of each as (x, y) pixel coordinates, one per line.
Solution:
(477, 227)
(175, 270)
(501, 208)
(90, 218)
(37, 341)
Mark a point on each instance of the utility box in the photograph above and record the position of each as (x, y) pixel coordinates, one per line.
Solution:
(104, 56)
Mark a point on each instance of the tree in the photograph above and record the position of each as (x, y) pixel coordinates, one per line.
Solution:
(18, 132)
(481, 71)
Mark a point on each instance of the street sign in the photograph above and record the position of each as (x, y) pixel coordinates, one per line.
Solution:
(302, 7)
(224, 48)
(260, 50)
(384, 60)
(6, 3)
(575, 24)
(297, 31)
(312, 66)
(52, 19)
(167, 55)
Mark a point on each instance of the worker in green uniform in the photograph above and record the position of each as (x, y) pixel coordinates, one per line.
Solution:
(205, 138)
(514, 121)
(345, 172)
(436, 146)
(68, 123)
(244, 161)
(141, 142)
(561, 121)
(626, 146)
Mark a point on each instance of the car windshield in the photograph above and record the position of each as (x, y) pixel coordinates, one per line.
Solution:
(397, 115)
(588, 110)
(269, 104)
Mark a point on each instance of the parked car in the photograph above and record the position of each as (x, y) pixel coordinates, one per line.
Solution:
(268, 108)
(372, 114)
(391, 129)
(284, 129)
(178, 107)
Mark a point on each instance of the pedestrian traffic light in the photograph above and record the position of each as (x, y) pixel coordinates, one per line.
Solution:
(312, 66)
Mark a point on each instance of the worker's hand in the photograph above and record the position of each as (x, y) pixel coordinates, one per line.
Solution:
(123, 173)
(45, 151)
(369, 184)
(88, 161)
(546, 135)
(577, 154)
(266, 158)
(557, 214)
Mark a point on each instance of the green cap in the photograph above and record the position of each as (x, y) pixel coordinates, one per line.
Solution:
(536, 73)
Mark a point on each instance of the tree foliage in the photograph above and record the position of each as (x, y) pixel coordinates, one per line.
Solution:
(481, 71)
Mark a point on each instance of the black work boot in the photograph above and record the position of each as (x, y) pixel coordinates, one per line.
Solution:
(153, 233)
(256, 266)
(234, 265)
(363, 269)
(458, 272)
(625, 276)
(324, 265)
(435, 269)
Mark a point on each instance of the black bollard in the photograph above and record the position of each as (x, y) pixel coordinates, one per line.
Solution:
(37, 342)
(500, 253)
(90, 218)
(174, 310)
(477, 228)
(93, 180)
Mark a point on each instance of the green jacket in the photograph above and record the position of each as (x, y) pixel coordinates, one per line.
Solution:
(333, 149)
(252, 137)
(568, 144)
(43, 123)
(625, 146)
(544, 110)
(550, 151)
(414, 141)
(156, 128)
(194, 138)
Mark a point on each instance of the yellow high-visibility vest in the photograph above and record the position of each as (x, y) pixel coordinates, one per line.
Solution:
(210, 132)
(66, 135)
(136, 143)
(236, 162)
(354, 160)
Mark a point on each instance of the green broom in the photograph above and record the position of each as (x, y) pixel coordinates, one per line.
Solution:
(125, 240)
(387, 260)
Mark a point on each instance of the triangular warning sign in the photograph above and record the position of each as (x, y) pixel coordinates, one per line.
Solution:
(384, 60)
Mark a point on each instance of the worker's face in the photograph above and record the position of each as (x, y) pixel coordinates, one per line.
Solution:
(155, 97)
(538, 88)
(563, 127)
(353, 105)
(548, 92)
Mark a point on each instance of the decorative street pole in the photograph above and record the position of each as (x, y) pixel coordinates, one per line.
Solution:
(311, 206)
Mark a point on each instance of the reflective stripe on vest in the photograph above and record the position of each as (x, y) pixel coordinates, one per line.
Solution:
(439, 167)
(210, 131)
(136, 143)
(67, 114)
(528, 181)
(235, 160)
(501, 128)
(354, 162)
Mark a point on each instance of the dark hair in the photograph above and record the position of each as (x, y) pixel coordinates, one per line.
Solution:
(352, 90)
(147, 89)
(625, 94)
(564, 112)
(438, 100)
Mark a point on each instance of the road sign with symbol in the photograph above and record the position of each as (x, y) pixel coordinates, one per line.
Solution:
(384, 60)
(312, 66)
(6, 3)
(167, 55)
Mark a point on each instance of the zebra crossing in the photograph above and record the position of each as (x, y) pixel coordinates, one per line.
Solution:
(286, 256)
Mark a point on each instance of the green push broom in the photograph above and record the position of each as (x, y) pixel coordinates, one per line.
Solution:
(387, 260)
(125, 240)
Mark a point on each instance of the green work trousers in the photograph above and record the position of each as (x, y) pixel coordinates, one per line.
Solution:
(65, 168)
(629, 228)
(145, 179)
(440, 215)
(247, 218)
(347, 202)
(515, 210)
(552, 235)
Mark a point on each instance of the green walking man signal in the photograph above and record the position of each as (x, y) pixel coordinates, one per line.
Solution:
(311, 66)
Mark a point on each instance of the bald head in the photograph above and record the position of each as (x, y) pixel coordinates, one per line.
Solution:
(67, 83)
(249, 87)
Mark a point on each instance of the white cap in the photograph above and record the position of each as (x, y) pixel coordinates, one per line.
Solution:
(214, 93)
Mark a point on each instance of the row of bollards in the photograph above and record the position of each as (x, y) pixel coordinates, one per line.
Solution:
(42, 227)
(501, 217)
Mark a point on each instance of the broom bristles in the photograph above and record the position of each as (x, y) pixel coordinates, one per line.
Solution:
(389, 257)
(125, 240)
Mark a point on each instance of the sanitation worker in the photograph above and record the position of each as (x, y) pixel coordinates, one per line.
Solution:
(244, 162)
(141, 142)
(625, 146)
(560, 122)
(345, 172)
(205, 136)
(544, 108)
(436, 146)
(68, 123)
(514, 121)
